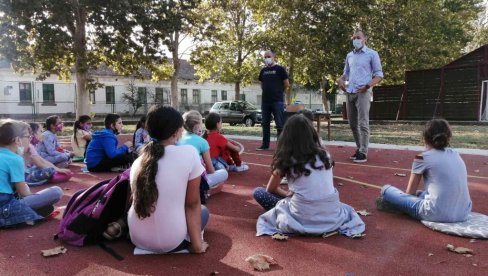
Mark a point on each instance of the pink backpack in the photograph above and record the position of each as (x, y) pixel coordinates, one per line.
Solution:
(89, 211)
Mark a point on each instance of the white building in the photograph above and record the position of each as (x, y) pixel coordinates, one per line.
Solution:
(24, 97)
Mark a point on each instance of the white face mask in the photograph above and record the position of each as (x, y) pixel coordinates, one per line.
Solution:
(357, 43)
(268, 61)
(20, 150)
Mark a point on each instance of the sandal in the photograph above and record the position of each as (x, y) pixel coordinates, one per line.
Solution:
(115, 230)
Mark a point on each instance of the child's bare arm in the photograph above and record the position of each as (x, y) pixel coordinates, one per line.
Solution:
(413, 183)
(22, 189)
(274, 185)
(208, 162)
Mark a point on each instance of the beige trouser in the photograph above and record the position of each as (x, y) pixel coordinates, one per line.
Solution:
(358, 105)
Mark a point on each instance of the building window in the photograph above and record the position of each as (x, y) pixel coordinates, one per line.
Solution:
(48, 93)
(242, 97)
(184, 96)
(214, 96)
(141, 95)
(196, 96)
(109, 95)
(92, 97)
(162, 95)
(25, 92)
(223, 95)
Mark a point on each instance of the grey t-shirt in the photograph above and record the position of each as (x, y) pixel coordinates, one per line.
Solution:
(446, 184)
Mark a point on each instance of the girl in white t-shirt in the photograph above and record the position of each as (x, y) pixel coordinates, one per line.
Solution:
(166, 214)
(81, 137)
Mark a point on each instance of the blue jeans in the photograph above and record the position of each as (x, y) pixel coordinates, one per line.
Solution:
(404, 202)
(43, 198)
(266, 199)
(277, 109)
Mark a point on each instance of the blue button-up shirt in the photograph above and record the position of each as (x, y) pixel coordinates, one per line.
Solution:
(361, 66)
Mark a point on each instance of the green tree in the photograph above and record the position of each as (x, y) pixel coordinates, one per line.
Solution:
(58, 37)
(227, 38)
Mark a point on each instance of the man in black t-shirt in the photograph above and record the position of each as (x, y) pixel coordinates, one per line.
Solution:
(274, 82)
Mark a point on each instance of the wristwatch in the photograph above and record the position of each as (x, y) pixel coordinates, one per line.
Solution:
(367, 86)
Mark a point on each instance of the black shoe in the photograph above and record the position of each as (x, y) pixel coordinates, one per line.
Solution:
(263, 148)
(360, 158)
(45, 211)
(355, 155)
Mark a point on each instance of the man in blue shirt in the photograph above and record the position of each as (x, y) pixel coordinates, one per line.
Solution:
(362, 71)
(274, 82)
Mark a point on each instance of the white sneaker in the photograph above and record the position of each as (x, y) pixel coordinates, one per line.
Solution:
(242, 168)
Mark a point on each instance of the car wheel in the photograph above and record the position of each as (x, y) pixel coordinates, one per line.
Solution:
(249, 122)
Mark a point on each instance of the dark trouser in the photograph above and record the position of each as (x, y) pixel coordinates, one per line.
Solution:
(266, 199)
(277, 109)
(106, 164)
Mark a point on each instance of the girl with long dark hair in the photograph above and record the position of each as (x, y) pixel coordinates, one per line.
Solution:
(166, 214)
(81, 137)
(311, 205)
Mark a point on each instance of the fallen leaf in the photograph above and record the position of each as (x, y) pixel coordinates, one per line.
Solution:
(459, 250)
(326, 235)
(214, 273)
(260, 262)
(475, 264)
(364, 186)
(468, 255)
(54, 251)
(340, 184)
(401, 174)
(358, 236)
(395, 161)
(30, 236)
(431, 254)
(363, 213)
(233, 186)
(245, 205)
(350, 177)
(279, 237)
(472, 240)
(476, 171)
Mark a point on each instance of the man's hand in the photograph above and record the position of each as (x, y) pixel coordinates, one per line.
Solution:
(342, 84)
(363, 89)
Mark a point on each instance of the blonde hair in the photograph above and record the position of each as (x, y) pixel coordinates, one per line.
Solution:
(191, 119)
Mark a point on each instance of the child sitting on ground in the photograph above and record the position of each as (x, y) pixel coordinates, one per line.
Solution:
(37, 169)
(17, 203)
(141, 137)
(224, 153)
(49, 148)
(193, 128)
(311, 205)
(166, 215)
(81, 137)
(102, 154)
(446, 196)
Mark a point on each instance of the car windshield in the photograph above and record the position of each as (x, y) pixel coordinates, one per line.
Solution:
(216, 106)
(250, 106)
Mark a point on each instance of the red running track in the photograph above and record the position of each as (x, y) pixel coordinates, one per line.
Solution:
(393, 245)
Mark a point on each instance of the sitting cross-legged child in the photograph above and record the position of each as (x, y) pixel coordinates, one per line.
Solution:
(446, 196)
(224, 153)
(49, 147)
(18, 204)
(311, 206)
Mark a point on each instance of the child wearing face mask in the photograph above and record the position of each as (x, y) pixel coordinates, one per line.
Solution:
(81, 137)
(192, 123)
(49, 148)
(18, 204)
(102, 154)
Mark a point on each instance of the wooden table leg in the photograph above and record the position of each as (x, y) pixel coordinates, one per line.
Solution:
(318, 125)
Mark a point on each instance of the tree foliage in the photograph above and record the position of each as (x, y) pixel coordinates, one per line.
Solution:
(58, 37)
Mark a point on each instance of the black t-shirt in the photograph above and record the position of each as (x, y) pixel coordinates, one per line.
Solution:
(272, 83)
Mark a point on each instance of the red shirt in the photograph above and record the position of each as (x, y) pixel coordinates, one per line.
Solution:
(217, 143)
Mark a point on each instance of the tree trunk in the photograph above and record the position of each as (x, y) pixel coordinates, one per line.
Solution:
(176, 71)
(82, 96)
(290, 80)
(237, 88)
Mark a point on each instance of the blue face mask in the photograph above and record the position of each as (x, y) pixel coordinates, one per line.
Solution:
(357, 43)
